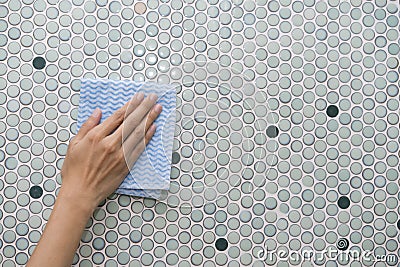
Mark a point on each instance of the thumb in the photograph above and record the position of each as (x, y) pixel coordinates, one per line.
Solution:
(90, 123)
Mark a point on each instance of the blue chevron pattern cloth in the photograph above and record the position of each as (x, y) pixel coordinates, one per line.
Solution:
(151, 172)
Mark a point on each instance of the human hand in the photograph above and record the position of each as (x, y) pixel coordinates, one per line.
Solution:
(101, 155)
(97, 160)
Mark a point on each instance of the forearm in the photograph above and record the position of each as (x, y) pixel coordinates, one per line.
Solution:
(62, 233)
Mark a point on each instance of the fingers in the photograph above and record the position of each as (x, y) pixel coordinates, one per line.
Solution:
(90, 123)
(138, 98)
(136, 136)
(132, 122)
(150, 132)
(112, 122)
(155, 111)
(131, 157)
(115, 120)
(117, 134)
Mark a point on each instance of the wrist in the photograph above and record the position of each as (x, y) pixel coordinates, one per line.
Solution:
(82, 204)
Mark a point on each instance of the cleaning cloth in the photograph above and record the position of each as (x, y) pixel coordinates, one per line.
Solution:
(151, 172)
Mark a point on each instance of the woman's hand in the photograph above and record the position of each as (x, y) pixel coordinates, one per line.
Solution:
(94, 167)
(101, 155)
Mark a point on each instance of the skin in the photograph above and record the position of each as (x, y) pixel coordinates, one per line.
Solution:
(98, 159)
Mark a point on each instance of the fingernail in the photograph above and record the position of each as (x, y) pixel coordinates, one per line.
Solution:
(96, 112)
(153, 97)
(158, 108)
(140, 96)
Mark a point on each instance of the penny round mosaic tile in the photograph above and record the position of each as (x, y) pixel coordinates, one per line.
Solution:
(286, 144)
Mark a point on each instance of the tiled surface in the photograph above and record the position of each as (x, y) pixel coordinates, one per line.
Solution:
(287, 133)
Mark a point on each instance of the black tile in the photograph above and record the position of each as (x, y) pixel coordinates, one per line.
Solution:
(343, 202)
(221, 244)
(272, 131)
(332, 111)
(176, 157)
(36, 191)
(39, 63)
